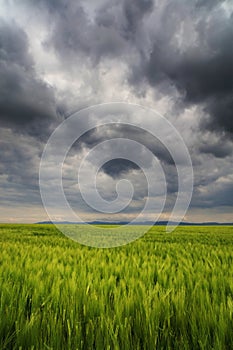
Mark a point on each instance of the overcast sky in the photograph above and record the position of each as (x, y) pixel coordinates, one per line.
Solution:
(59, 56)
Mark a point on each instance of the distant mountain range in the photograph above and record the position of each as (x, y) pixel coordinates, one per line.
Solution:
(150, 223)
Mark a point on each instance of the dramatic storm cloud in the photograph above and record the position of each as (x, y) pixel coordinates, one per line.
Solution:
(57, 57)
(201, 69)
(26, 102)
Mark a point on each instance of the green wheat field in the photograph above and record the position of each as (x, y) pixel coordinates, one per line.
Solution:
(163, 291)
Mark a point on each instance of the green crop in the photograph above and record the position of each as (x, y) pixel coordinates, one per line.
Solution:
(163, 291)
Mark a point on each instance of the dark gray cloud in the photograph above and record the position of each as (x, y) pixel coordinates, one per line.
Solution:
(97, 135)
(19, 167)
(201, 70)
(198, 63)
(220, 194)
(14, 46)
(28, 113)
(181, 48)
(27, 104)
(117, 167)
(220, 108)
(134, 12)
(221, 149)
(112, 30)
(74, 33)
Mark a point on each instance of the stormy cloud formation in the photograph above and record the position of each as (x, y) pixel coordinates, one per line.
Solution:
(57, 57)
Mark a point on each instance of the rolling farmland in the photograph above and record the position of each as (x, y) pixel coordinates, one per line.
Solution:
(163, 291)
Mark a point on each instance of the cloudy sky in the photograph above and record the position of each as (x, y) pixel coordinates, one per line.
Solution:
(60, 56)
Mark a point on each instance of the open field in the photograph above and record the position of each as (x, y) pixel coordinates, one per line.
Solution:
(164, 291)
